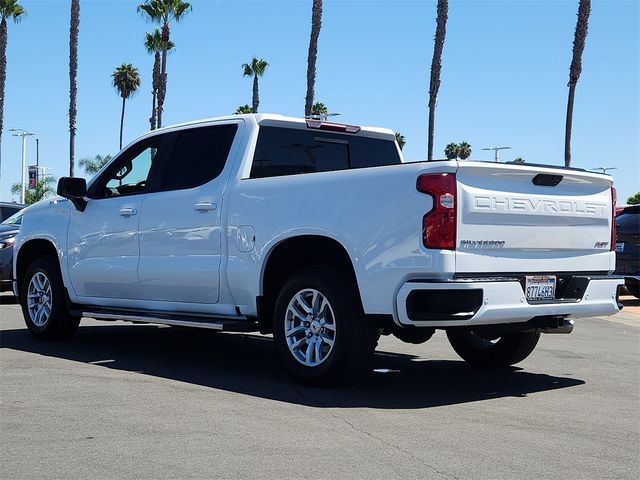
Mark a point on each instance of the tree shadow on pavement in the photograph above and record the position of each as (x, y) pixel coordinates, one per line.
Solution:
(248, 364)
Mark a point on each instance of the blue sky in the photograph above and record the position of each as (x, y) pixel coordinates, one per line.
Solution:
(504, 76)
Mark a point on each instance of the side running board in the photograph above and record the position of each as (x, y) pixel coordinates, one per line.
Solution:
(221, 323)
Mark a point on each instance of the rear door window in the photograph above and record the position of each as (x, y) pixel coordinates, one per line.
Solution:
(199, 156)
(288, 151)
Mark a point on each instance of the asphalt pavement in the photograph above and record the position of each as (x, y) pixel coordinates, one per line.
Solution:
(148, 402)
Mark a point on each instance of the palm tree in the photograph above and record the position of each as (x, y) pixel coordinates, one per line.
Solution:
(243, 109)
(164, 12)
(92, 165)
(8, 9)
(464, 150)
(153, 44)
(126, 81)
(584, 8)
(436, 66)
(255, 69)
(73, 79)
(316, 24)
(400, 139)
(319, 109)
(42, 189)
(519, 160)
(451, 151)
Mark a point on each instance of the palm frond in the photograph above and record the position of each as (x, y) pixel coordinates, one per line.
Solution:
(243, 109)
(12, 9)
(152, 10)
(258, 65)
(92, 165)
(153, 42)
(180, 9)
(126, 80)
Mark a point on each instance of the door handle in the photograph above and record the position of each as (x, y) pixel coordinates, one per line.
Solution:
(128, 212)
(205, 206)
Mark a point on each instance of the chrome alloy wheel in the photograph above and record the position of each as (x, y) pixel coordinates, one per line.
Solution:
(39, 301)
(309, 327)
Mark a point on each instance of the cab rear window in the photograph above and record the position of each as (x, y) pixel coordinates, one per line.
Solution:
(288, 151)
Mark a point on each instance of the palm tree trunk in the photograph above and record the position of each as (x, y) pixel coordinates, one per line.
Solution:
(152, 119)
(3, 76)
(122, 121)
(162, 92)
(316, 24)
(584, 9)
(256, 97)
(73, 74)
(155, 82)
(568, 126)
(436, 66)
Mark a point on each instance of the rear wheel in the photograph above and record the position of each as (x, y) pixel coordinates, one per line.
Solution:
(633, 287)
(483, 351)
(43, 301)
(319, 328)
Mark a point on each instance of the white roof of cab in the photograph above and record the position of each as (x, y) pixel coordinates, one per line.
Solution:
(274, 119)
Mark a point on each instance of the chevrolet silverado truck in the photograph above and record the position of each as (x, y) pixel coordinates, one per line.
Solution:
(321, 234)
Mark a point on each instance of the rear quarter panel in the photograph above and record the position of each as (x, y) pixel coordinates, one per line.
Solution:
(374, 213)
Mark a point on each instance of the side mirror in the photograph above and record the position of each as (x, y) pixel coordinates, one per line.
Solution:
(75, 189)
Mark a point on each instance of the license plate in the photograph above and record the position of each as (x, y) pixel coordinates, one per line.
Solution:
(620, 247)
(540, 287)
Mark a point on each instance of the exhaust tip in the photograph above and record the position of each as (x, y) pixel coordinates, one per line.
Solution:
(554, 324)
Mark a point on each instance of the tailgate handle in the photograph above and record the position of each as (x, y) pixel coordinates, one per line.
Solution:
(547, 180)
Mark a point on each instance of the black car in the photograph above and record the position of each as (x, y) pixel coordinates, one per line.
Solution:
(8, 209)
(628, 248)
(8, 231)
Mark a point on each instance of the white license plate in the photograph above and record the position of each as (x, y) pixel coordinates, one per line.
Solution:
(620, 247)
(540, 287)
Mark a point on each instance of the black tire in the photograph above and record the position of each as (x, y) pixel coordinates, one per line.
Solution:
(508, 349)
(415, 336)
(633, 287)
(58, 324)
(354, 341)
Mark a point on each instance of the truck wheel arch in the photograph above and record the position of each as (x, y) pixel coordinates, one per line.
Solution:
(28, 252)
(292, 255)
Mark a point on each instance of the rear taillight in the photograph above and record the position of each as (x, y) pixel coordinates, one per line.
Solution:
(439, 224)
(613, 219)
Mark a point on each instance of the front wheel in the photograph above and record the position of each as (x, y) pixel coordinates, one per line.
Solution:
(319, 328)
(43, 301)
(483, 351)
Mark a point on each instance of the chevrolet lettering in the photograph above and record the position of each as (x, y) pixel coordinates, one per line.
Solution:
(539, 205)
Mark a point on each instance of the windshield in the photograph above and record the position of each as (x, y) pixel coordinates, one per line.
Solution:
(15, 219)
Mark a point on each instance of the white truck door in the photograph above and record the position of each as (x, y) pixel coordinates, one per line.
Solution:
(103, 249)
(180, 226)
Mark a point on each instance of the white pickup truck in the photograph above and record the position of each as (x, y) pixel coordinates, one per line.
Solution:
(321, 234)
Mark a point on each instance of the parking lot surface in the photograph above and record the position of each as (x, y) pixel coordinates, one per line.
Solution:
(140, 401)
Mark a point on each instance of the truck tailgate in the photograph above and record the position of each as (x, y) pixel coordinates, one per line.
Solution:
(519, 218)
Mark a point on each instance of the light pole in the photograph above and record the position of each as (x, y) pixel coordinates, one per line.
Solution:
(23, 134)
(496, 150)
